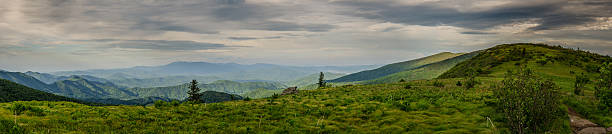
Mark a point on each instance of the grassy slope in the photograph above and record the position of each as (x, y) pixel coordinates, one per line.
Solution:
(428, 71)
(395, 67)
(495, 62)
(383, 108)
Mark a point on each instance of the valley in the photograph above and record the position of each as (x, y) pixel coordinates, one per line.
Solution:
(421, 97)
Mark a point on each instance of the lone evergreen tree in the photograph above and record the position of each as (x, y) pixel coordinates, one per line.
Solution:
(321, 81)
(194, 92)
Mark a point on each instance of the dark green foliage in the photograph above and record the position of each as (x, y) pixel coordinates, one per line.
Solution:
(18, 109)
(604, 87)
(247, 99)
(407, 86)
(542, 61)
(459, 83)
(194, 92)
(213, 96)
(26, 80)
(402, 80)
(11, 91)
(9, 127)
(321, 82)
(470, 80)
(530, 104)
(581, 81)
(438, 84)
(274, 96)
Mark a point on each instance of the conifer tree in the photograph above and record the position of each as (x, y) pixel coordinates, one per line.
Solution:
(321, 81)
(194, 92)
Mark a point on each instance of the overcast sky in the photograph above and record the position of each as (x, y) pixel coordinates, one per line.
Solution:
(54, 35)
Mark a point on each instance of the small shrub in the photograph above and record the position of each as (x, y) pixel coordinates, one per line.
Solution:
(408, 86)
(275, 96)
(10, 127)
(581, 81)
(470, 80)
(402, 80)
(459, 83)
(542, 61)
(438, 84)
(247, 99)
(530, 105)
(603, 90)
(175, 103)
(160, 104)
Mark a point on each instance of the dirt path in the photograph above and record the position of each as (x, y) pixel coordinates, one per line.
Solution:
(583, 126)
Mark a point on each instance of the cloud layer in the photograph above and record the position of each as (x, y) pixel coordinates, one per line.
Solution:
(57, 35)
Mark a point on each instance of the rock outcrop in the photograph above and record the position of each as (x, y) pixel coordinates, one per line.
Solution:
(290, 90)
(583, 126)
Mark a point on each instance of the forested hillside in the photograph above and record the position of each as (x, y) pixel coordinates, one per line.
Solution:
(26, 80)
(11, 91)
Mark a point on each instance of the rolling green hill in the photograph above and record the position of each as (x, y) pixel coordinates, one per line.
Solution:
(395, 68)
(11, 91)
(26, 80)
(561, 65)
(139, 101)
(428, 71)
(549, 60)
(180, 91)
(78, 87)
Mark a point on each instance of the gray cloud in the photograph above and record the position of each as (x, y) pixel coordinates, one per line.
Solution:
(168, 45)
(290, 26)
(166, 26)
(242, 38)
(552, 14)
(476, 32)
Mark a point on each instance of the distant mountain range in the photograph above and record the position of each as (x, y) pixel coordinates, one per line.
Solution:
(83, 88)
(224, 71)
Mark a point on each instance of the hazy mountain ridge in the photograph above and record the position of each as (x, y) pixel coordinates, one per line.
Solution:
(428, 71)
(395, 68)
(229, 71)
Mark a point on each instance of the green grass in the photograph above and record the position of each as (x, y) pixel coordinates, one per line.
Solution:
(562, 66)
(382, 108)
